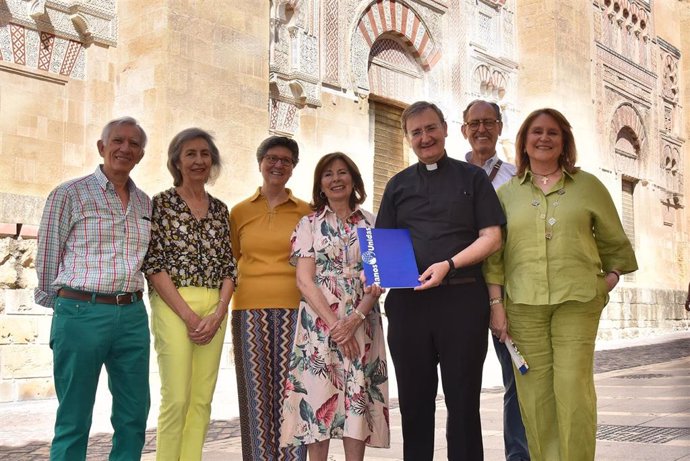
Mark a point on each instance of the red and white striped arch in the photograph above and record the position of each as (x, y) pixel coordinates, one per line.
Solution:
(393, 16)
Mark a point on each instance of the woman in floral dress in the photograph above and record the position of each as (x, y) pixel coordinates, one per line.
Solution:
(338, 380)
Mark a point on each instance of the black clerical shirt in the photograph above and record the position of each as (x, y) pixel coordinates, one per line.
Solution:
(444, 209)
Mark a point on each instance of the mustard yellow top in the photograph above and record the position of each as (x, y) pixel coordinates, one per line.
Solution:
(261, 243)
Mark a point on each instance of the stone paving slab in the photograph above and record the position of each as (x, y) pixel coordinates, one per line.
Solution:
(642, 397)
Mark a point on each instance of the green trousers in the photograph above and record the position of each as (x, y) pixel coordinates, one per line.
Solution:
(85, 336)
(558, 402)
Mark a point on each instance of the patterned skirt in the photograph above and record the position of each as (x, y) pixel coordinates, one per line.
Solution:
(262, 341)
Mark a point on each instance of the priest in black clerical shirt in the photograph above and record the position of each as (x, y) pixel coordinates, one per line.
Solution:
(454, 218)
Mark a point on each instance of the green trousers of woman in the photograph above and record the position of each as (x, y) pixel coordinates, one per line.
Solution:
(557, 397)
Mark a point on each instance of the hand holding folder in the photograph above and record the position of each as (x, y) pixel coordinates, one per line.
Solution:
(388, 258)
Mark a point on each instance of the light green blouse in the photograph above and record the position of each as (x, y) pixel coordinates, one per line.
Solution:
(556, 245)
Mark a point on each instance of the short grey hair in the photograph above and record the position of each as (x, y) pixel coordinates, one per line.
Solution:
(278, 141)
(108, 128)
(175, 151)
(495, 107)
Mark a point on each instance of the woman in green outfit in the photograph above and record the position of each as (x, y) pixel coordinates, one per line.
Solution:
(564, 250)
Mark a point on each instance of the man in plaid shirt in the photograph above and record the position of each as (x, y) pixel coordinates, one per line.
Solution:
(93, 237)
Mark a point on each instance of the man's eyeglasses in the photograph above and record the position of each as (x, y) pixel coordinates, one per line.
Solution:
(273, 160)
(428, 130)
(473, 125)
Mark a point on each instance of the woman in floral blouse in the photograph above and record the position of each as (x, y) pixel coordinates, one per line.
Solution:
(338, 380)
(191, 273)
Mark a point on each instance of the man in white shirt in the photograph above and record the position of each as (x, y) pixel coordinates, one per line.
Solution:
(482, 126)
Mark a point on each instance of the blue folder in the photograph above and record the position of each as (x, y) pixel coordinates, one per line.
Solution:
(388, 257)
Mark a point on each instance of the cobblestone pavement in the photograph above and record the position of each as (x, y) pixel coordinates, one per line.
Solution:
(644, 405)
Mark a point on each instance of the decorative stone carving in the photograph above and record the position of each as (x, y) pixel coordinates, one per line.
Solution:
(393, 72)
(489, 83)
(670, 78)
(625, 28)
(50, 35)
(331, 42)
(628, 140)
(391, 17)
(37, 8)
(42, 51)
(283, 117)
(82, 26)
(293, 61)
(497, 4)
(57, 17)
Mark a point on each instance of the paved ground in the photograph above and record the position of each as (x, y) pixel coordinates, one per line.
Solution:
(644, 413)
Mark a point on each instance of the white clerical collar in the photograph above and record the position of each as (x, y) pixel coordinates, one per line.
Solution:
(431, 166)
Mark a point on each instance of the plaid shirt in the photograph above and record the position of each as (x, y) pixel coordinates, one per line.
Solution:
(86, 242)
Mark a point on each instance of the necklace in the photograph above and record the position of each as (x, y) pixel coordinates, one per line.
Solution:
(198, 209)
(545, 177)
(550, 221)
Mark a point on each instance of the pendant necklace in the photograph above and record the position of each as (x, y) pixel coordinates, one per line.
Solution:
(545, 177)
(345, 240)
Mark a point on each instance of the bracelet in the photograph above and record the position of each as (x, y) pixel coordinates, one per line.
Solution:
(359, 314)
(451, 271)
(221, 301)
(494, 301)
(451, 264)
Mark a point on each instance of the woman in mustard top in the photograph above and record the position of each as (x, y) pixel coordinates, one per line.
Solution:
(564, 250)
(264, 308)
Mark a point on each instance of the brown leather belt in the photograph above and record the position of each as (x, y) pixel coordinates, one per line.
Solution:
(458, 281)
(120, 299)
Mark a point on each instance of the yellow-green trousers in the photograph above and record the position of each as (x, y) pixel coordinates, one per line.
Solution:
(558, 402)
(188, 374)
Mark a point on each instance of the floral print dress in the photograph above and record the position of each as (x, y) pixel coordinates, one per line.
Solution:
(326, 394)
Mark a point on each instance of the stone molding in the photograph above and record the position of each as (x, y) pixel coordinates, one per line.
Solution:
(399, 19)
(51, 36)
(626, 67)
(85, 21)
(631, 15)
(294, 62)
(626, 116)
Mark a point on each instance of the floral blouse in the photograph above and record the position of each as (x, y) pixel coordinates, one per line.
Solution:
(194, 252)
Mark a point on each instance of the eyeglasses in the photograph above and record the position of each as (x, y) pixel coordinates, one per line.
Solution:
(273, 160)
(473, 125)
(428, 130)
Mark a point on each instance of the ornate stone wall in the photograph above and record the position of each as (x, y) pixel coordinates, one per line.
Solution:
(51, 36)
(638, 105)
(492, 69)
(308, 68)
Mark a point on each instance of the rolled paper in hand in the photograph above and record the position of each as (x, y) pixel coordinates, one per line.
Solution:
(518, 359)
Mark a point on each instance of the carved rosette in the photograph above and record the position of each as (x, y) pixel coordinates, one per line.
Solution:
(670, 88)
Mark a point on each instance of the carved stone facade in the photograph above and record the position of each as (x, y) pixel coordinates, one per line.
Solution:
(335, 74)
(51, 36)
(640, 103)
